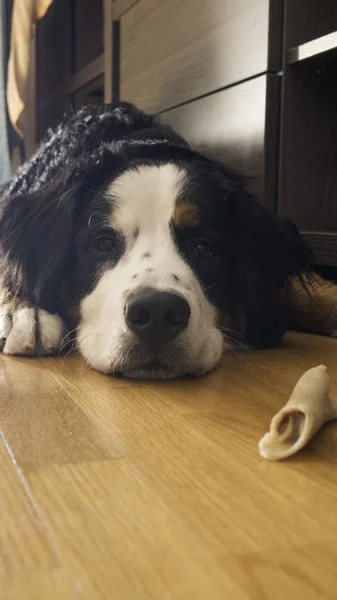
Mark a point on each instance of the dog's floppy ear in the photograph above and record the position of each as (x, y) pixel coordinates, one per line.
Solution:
(36, 236)
(269, 252)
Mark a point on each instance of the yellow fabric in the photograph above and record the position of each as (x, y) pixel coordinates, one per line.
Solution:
(25, 13)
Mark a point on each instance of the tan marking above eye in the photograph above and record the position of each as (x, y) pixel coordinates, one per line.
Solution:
(186, 214)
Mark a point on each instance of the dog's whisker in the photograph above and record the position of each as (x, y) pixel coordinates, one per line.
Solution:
(90, 357)
(91, 216)
(62, 343)
(64, 346)
(101, 194)
(234, 331)
(205, 289)
(83, 338)
(65, 343)
(67, 354)
(241, 357)
(232, 339)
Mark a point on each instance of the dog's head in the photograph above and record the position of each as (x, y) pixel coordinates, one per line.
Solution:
(156, 254)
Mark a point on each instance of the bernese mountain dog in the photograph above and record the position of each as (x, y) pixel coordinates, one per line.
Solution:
(153, 257)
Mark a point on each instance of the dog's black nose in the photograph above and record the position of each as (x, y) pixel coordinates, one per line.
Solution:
(157, 316)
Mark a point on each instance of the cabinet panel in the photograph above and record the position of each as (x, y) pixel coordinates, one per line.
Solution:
(309, 19)
(176, 50)
(88, 31)
(229, 126)
(53, 49)
(309, 148)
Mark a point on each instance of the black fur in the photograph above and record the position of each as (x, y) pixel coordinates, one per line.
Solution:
(44, 207)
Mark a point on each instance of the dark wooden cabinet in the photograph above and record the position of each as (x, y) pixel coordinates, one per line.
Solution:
(53, 52)
(251, 82)
(215, 79)
(69, 60)
(308, 128)
(308, 183)
(173, 51)
(306, 20)
(87, 31)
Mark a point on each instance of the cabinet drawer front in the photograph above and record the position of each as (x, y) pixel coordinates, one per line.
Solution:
(176, 50)
(228, 125)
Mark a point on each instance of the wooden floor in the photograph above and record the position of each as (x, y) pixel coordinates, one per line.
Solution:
(112, 489)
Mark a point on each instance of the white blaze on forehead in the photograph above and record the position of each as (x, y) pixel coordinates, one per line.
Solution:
(145, 198)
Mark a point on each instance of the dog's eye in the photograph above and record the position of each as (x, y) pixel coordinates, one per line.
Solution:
(104, 243)
(204, 248)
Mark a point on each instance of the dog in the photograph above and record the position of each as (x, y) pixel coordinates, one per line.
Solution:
(153, 256)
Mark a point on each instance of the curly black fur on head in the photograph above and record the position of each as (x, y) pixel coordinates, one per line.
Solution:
(83, 134)
(41, 212)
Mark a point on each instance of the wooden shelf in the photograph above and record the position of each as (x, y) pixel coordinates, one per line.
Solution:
(317, 47)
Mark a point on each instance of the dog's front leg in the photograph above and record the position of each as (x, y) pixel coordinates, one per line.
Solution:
(28, 330)
(314, 308)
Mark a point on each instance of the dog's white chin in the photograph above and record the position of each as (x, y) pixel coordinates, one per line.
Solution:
(186, 363)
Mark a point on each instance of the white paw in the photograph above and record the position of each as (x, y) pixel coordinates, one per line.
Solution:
(29, 331)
